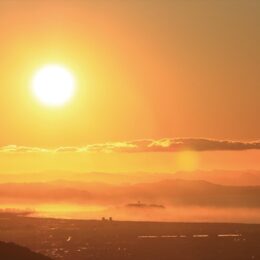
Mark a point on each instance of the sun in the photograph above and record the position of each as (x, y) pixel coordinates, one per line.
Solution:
(53, 85)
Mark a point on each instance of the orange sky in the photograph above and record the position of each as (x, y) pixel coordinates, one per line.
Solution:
(144, 69)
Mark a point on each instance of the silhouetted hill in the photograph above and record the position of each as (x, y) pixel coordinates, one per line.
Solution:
(10, 251)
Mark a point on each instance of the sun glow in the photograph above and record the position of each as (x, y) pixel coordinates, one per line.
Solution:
(53, 85)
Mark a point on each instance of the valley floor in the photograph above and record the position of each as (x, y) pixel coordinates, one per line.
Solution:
(114, 240)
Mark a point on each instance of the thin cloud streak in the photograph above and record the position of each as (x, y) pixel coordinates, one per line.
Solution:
(143, 146)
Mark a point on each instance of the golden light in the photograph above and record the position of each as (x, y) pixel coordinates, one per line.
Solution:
(188, 160)
(53, 85)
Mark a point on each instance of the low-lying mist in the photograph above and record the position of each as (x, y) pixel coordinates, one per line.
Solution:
(166, 200)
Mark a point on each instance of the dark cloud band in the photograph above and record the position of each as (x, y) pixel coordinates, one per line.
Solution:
(144, 146)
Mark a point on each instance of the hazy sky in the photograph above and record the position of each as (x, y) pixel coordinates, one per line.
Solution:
(144, 69)
(165, 89)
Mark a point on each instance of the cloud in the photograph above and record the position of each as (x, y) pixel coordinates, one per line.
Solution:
(22, 149)
(68, 149)
(144, 146)
(201, 144)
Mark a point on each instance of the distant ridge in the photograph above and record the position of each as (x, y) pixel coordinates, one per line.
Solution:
(173, 192)
(10, 251)
(223, 177)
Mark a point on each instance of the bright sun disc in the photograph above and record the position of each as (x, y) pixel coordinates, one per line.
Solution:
(53, 85)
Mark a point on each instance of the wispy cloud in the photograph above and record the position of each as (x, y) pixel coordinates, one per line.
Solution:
(22, 149)
(143, 145)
